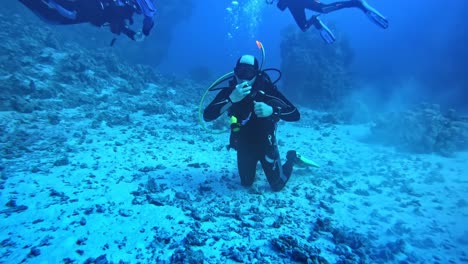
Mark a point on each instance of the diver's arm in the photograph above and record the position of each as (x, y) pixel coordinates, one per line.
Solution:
(282, 5)
(218, 106)
(120, 27)
(148, 10)
(136, 36)
(129, 33)
(148, 24)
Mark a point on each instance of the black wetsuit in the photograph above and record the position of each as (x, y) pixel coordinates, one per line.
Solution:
(298, 7)
(256, 139)
(96, 12)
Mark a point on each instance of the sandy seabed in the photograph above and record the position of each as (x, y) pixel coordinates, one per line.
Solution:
(162, 190)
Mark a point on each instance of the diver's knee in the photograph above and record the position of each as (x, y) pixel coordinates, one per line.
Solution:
(277, 188)
(247, 182)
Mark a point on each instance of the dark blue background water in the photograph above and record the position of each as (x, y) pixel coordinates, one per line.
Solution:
(420, 57)
(423, 47)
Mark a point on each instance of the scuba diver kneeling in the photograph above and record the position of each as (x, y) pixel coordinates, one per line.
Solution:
(255, 106)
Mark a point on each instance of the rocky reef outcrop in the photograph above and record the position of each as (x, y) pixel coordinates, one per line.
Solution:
(41, 76)
(424, 129)
(149, 52)
(315, 74)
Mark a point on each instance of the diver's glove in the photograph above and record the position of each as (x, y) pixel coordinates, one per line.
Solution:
(240, 92)
(262, 110)
(139, 37)
(282, 5)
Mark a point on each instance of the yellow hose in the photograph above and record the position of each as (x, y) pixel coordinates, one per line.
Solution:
(200, 106)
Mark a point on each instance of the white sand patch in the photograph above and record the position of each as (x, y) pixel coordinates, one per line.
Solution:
(89, 206)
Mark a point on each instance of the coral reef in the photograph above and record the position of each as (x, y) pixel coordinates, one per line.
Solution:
(150, 52)
(424, 129)
(315, 74)
(201, 74)
(40, 76)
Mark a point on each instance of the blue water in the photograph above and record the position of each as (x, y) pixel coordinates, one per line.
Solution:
(424, 41)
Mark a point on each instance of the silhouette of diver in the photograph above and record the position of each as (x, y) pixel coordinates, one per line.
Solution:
(117, 14)
(298, 7)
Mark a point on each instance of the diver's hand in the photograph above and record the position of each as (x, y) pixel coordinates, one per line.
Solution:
(240, 92)
(262, 110)
(139, 37)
